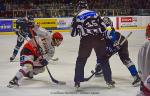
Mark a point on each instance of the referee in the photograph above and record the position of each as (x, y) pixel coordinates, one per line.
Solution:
(90, 27)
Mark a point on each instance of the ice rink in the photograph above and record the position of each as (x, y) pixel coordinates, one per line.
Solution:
(63, 69)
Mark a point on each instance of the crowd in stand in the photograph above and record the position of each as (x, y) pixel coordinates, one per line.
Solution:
(63, 8)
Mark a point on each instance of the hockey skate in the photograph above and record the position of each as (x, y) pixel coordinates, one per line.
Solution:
(111, 84)
(13, 83)
(77, 85)
(137, 81)
(12, 58)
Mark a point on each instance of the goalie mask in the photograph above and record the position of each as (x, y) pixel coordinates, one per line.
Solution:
(56, 39)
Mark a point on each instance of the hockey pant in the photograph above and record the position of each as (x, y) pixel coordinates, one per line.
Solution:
(27, 70)
(124, 57)
(85, 49)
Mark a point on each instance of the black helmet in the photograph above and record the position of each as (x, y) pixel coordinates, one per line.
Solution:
(107, 21)
(82, 4)
(30, 20)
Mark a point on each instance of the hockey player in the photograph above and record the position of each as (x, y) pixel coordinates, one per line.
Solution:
(114, 47)
(35, 55)
(144, 65)
(89, 26)
(22, 32)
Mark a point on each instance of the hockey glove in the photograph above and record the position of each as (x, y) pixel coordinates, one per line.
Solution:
(116, 45)
(111, 50)
(44, 62)
(98, 68)
(73, 22)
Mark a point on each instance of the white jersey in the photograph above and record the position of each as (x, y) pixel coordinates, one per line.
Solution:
(47, 49)
(144, 60)
(41, 31)
(44, 41)
(144, 68)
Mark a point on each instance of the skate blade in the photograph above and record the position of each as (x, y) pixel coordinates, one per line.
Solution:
(77, 88)
(12, 86)
(111, 86)
(62, 83)
(137, 84)
(55, 59)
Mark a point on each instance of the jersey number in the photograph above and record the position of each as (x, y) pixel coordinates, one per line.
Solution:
(91, 23)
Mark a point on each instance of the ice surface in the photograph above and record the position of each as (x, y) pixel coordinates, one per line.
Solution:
(63, 70)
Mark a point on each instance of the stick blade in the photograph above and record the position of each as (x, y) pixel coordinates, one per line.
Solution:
(61, 83)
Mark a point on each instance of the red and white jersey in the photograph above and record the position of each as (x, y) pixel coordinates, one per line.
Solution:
(40, 47)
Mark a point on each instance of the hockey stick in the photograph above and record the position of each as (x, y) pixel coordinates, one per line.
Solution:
(93, 73)
(126, 38)
(54, 80)
(50, 75)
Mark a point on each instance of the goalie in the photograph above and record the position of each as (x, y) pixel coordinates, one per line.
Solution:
(113, 46)
(35, 55)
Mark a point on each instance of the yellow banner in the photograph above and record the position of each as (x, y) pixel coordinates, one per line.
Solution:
(46, 23)
(14, 23)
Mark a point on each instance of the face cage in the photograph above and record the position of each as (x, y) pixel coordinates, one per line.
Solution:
(57, 42)
(107, 21)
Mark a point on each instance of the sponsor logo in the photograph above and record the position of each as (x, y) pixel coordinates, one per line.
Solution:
(61, 22)
(6, 26)
(126, 19)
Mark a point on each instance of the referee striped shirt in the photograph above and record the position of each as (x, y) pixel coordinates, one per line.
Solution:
(87, 23)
